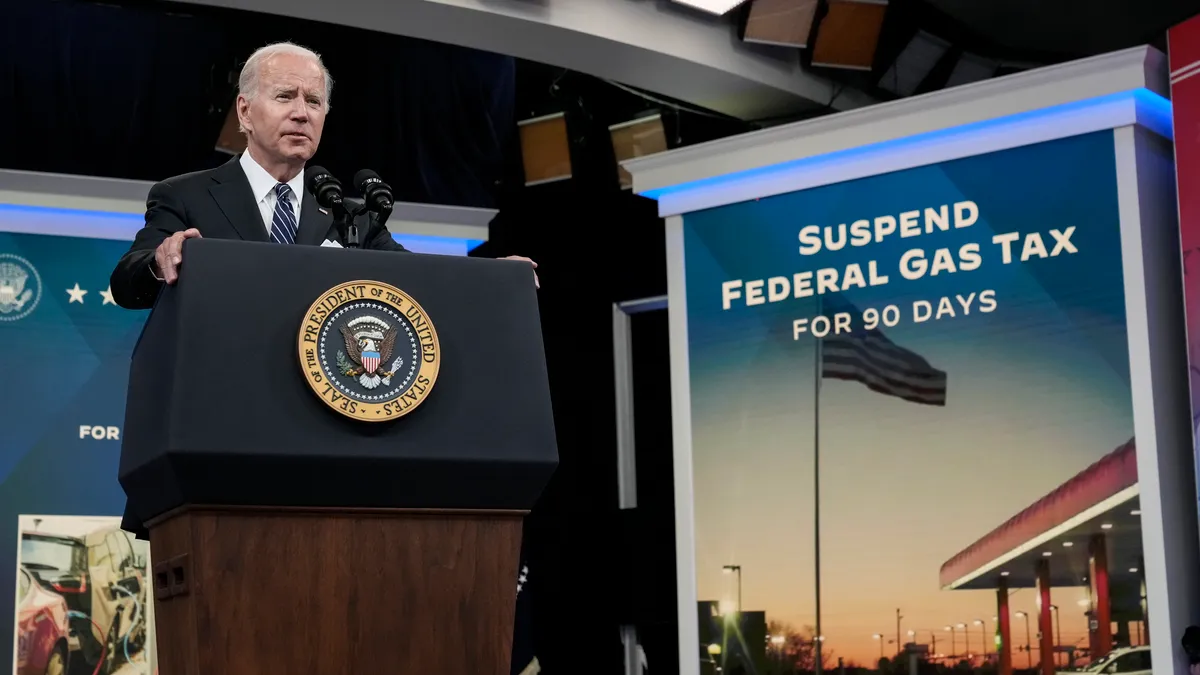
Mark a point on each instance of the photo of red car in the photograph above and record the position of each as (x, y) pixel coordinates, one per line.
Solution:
(42, 646)
(94, 575)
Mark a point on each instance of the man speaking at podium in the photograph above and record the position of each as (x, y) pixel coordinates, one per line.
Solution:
(283, 97)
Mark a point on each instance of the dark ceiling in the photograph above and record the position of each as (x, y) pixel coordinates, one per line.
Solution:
(1006, 35)
(1069, 28)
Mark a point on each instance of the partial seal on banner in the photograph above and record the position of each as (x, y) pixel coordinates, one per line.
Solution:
(20, 287)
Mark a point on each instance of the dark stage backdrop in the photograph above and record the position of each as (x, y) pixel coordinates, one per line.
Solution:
(141, 89)
(593, 567)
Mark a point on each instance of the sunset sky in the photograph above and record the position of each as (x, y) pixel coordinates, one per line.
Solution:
(904, 488)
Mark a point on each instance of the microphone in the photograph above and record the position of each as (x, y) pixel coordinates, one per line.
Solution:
(327, 190)
(376, 193)
(324, 186)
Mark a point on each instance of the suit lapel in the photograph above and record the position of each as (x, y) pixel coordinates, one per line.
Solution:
(314, 222)
(233, 194)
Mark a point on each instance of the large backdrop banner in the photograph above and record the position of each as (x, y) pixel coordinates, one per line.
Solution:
(937, 350)
(77, 589)
(1184, 47)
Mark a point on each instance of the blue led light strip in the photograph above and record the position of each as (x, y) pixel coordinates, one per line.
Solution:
(1153, 111)
(89, 223)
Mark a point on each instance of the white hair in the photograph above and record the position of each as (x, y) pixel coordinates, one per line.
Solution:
(248, 81)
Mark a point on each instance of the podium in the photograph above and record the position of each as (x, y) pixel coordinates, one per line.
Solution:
(332, 451)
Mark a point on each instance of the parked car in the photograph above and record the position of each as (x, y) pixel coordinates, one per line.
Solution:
(42, 628)
(101, 578)
(1122, 661)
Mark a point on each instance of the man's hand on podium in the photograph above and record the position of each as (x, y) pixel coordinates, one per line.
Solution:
(536, 283)
(169, 255)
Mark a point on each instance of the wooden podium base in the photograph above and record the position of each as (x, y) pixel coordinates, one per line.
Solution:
(260, 591)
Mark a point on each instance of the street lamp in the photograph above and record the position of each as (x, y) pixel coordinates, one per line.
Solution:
(730, 569)
(933, 641)
(967, 633)
(1057, 631)
(1028, 640)
(983, 632)
(879, 637)
(953, 642)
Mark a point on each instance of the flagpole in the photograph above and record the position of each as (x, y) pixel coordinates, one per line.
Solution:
(817, 371)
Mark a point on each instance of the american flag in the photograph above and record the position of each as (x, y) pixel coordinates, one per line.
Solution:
(524, 661)
(869, 357)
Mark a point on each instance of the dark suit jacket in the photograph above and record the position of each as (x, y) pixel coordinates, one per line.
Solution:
(220, 204)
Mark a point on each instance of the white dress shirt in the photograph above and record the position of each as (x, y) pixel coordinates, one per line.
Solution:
(262, 184)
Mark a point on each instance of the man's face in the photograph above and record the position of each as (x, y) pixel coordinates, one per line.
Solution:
(284, 120)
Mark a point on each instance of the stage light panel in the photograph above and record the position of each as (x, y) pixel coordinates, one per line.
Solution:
(717, 7)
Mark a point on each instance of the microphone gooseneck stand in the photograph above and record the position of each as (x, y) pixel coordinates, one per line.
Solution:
(344, 213)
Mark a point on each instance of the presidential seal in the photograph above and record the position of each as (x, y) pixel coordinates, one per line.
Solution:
(20, 287)
(369, 351)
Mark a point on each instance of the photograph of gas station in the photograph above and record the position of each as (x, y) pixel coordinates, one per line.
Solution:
(1065, 580)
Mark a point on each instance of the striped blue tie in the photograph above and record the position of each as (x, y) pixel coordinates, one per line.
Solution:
(283, 225)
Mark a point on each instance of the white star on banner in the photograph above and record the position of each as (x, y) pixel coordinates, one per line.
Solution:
(76, 294)
(107, 295)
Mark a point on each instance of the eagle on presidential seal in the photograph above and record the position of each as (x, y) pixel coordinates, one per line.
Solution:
(369, 343)
(13, 294)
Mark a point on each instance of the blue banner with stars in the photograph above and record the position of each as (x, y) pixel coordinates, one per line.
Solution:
(65, 348)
